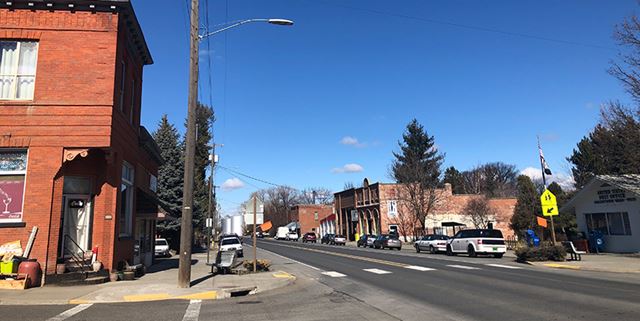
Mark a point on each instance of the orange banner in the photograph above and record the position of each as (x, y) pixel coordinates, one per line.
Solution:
(542, 221)
(266, 226)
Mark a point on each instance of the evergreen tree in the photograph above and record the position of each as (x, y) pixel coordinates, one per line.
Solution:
(566, 221)
(170, 177)
(204, 138)
(527, 207)
(613, 147)
(454, 177)
(417, 167)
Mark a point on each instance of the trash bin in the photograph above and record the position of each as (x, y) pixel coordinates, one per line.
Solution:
(532, 238)
(596, 241)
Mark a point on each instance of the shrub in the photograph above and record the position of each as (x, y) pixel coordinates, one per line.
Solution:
(541, 253)
(261, 265)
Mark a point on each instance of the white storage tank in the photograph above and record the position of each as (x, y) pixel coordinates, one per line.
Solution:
(237, 225)
(227, 226)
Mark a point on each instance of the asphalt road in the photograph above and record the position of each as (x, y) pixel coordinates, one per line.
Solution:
(462, 288)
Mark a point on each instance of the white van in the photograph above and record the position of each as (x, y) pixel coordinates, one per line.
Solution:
(282, 232)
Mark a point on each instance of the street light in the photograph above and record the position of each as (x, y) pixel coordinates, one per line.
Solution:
(273, 21)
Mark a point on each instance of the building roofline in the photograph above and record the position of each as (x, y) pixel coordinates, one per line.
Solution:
(609, 179)
(115, 6)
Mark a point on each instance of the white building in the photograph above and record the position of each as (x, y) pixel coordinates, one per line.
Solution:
(611, 205)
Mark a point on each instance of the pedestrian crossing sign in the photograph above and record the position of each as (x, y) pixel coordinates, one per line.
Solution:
(549, 204)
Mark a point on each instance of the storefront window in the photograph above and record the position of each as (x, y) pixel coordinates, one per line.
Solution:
(126, 200)
(13, 168)
(609, 223)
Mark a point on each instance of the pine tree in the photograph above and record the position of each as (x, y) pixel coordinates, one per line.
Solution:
(204, 138)
(566, 221)
(170, 177)
(418, 167)
(527, 207)
(454, 177)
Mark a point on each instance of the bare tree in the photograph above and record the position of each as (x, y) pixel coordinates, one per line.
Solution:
(492, 179)
(317, 195)
(278, 202)
(479, 211)
(348, 185)
(406, 223)
(627, 34)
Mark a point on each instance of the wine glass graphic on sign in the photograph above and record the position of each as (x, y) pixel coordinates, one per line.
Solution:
(6, 199)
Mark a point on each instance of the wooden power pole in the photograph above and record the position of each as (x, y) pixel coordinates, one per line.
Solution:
(186, 228)
(255, 210)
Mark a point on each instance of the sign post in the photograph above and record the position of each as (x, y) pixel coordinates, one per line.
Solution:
(550, 208)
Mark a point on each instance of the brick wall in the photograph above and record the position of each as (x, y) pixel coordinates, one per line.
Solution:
(305, 214)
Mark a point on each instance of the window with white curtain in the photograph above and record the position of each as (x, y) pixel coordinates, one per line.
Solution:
(18, 69)
(126, 200)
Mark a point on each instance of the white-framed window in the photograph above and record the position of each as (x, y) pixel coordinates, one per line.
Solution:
(153, 183)
(315, 216)
(13, 169)
(126, 200)
(18, 60)
(123, 76)
(609, 223)
(392, 209)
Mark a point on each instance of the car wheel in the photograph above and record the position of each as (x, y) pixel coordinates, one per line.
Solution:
(471, 251)
(399, 249)
(449, 251)
(357, 244)
(498, 255)
(432, 249)
(417, 248)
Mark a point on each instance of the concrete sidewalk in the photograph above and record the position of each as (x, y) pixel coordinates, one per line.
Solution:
(160, 283)
(605, 262)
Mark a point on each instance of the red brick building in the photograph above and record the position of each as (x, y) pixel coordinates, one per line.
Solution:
(309, 216)
(376, 208)
(74, 160)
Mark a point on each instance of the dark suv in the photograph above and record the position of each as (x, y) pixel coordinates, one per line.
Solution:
(327, 238)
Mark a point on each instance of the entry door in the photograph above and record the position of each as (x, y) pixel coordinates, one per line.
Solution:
(76, 223)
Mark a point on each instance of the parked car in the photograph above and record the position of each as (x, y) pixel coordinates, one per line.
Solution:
(292, 236)
(309, 237)
(282, 232)
(162, 248)
(477, 241)
(259, 235)
(366, 240)
(232, 244)
(390, 241)
(432, 243)
(339, 240)
(327, 238)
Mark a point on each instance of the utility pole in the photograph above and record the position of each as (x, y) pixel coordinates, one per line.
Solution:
(186, 228)
(544, 182)
(255, 210)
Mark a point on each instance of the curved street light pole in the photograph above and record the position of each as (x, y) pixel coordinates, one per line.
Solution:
(273, 21)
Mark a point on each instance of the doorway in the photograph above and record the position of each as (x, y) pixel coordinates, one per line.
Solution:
(76, 224)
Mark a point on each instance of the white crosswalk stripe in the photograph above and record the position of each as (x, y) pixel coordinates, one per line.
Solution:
(419, 268)
(377, 271)
(334, 274)
(505, 266)
(464, 267)
(69, 313)
(193, 311)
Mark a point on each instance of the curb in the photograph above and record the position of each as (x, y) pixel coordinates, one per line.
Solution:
(284, 279)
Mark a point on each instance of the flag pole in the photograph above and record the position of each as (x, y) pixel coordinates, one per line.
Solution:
(544, 181)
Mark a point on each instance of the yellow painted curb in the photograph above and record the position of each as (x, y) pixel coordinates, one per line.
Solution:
(562, 266)
(209, 295)
(75, 301)
(146, 297)
(283, 275)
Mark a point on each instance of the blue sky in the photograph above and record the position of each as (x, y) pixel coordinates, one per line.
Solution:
(483, 77)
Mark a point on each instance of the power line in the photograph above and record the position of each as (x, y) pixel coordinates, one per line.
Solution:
(469, 27)
(251, 177)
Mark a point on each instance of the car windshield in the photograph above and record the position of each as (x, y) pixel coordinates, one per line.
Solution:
(161, 242)
(230, 241)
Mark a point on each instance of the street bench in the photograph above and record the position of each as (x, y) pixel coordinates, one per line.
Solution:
(575, 254)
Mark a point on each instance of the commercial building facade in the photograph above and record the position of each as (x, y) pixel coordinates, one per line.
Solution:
(378, 208)
(74, 160)
(610, 205)
(309, 216)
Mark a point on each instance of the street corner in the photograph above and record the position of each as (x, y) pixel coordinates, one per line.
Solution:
(146, 297)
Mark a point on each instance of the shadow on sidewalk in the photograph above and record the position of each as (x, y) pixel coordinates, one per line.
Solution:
(167, 264)
(202, 279)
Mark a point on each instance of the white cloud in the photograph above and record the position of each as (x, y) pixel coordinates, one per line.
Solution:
(351, 141)
(348, 168)
(232, 184)
(564, 180)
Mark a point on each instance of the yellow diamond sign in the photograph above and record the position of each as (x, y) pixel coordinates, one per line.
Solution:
(549, 204)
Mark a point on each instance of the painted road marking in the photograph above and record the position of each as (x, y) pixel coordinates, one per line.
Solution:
(505, 266)
(377, 271)
(419, 268)
(464, 267)
(146, 297)
(193, 311)
(69, 313)
(334, 274)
